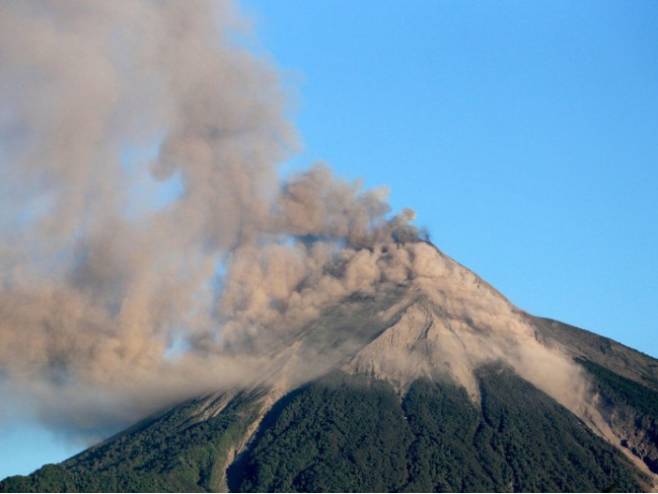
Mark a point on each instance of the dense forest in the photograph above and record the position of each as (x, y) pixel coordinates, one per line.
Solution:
(348, 433)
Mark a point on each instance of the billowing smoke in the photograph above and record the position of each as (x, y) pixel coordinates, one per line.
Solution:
(108, 310)
(127, 284)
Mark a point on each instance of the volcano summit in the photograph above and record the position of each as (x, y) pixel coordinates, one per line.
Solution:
(428, 380)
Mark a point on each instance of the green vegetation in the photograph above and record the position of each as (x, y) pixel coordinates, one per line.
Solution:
(170, 452)
(346, 434)
(541, 445)
(337, 434)
(353, 433)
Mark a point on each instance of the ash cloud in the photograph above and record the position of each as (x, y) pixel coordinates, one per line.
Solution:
(92, 299)
(105, 315)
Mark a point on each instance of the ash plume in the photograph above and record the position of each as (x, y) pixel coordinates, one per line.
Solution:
(92, 297)
(108, 313)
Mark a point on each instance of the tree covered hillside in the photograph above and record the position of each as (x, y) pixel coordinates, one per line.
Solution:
(347, 433)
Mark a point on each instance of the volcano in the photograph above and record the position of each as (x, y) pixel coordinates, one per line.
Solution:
(425, 382)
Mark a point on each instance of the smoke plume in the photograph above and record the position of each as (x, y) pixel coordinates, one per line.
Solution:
(110, 309)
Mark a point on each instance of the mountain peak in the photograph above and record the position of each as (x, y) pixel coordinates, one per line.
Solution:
(411, 361)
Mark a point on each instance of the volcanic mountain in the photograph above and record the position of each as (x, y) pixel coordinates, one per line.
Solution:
(429, 380)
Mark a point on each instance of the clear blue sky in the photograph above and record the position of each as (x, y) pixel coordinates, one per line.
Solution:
(524, 134)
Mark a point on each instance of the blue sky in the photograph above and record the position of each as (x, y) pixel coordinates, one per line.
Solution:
(524, 134)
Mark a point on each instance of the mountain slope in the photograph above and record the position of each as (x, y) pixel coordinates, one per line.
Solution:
(614, 356)
(345, 432)
(625, 384)
(432, 382)
(183, 449)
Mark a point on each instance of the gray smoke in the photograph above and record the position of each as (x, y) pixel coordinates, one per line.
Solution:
(107, 313)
